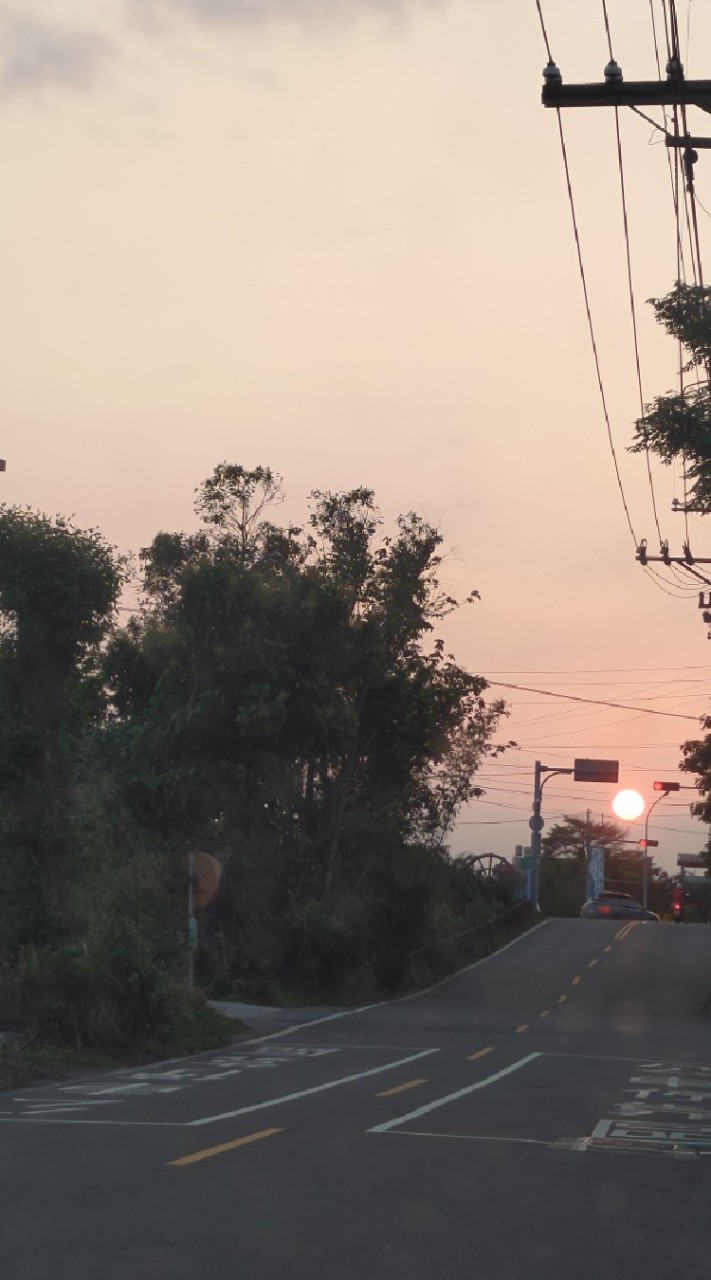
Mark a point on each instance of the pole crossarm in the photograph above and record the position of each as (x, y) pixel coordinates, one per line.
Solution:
(630, 93)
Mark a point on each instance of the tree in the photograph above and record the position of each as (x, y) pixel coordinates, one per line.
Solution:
(281, 690)
(58, 588)
(567, 839)
(696, 759)
(678, 424)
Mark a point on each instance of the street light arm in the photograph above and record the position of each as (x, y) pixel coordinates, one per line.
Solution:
(552, 774)
(652, 806)
(645, 855)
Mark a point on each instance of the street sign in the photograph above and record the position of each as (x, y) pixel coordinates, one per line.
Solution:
(690, 860)
(596, 770)
(536, 822)
(524, 863)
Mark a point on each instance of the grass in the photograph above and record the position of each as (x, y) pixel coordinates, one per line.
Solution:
(196, 1028)
(22, 1064)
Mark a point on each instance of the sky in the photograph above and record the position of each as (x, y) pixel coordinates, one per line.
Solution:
(333, 237)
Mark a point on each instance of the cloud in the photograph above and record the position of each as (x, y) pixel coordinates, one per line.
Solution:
(260, 12)
(37, 54)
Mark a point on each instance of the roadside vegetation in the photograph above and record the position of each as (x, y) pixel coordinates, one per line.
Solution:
(279, 699)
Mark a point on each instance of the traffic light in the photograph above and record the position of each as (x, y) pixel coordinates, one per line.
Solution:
(667, 786)
(649, 844)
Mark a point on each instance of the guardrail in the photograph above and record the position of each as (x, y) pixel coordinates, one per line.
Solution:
(439, 959)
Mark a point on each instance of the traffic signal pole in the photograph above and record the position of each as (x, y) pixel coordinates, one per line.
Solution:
(583, 770)
(537, 824)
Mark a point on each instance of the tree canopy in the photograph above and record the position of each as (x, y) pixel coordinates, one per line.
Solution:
(678, 424)
(280, 699)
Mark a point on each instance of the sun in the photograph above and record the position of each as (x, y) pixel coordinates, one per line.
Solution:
(628, 805)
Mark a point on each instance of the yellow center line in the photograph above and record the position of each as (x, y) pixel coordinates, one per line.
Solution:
(561, 999)
(546, 1014)
(400, 1088)
(224, 1146)
(609, 948)
(591, 964)
(575, 981)
(481, 1053)
(523, 1027)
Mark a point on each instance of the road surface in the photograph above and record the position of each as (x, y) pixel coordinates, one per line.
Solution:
(545, 1114)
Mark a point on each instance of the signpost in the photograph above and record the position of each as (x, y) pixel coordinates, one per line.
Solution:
(204, 874)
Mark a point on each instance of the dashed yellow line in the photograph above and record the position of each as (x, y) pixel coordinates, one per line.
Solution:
(224, 1146)
(561, 999)
(575, 981)
(609, 947)
(591, 964)
(401, 1088)
(481, 1053)
(546, 1014)
(625, 930)
(523, 1027)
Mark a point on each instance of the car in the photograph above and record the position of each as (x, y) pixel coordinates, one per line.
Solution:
(615, 906)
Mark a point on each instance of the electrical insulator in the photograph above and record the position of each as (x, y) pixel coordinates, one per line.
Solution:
(551, 75)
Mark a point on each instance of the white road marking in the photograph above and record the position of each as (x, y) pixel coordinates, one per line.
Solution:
(472, 1137)
(453, 1097)
(318, 1088)
(131, 1124)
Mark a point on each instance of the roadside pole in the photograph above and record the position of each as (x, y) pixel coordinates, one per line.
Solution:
(535, 822)
(192, 922)
(583, 770)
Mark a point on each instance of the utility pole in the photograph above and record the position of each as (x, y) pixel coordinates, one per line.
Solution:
(675, 93)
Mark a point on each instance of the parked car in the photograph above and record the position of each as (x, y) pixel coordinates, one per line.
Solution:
(615, 906)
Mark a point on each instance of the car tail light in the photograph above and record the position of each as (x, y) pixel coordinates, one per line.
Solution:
(604, 911)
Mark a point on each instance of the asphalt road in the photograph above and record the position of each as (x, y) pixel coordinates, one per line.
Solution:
(545, 1114)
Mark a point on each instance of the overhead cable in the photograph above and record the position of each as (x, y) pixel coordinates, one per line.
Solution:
(630, 282)
(597, 702)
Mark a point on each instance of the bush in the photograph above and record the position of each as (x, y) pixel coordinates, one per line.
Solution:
(66, 995)
(107, 997)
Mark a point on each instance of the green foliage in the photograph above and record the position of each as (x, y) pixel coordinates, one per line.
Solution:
(678, 424)
(279, 699)
(58, 587)
(696, 760)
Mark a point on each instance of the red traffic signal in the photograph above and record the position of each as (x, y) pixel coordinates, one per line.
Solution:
(649, 844)
(667, 786)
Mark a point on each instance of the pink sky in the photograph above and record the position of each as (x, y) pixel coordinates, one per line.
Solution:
(333, 238)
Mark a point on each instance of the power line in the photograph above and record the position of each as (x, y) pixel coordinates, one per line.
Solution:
(633, 307)
(591, 328)
(543, 30)
(583, 279)
(571, 671)
(598, 702)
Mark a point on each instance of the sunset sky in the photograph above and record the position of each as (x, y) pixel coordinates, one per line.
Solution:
(333, 237)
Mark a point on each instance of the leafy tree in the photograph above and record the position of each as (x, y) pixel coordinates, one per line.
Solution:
(696, 759)
(678, 424)
(281, 691)
(58, 588)
(567, 839)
